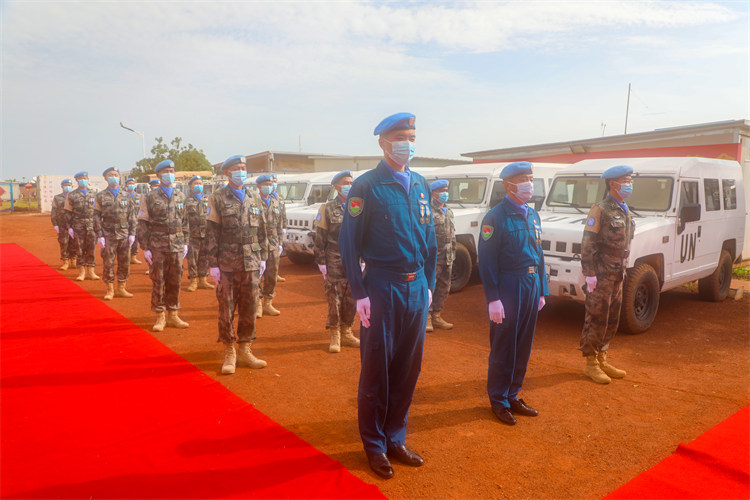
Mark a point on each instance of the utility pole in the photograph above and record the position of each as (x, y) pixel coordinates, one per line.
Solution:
(627, 110)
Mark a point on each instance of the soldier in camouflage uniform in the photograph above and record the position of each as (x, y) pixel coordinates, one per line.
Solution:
(341, 305)
(272, 215)
(163, 228)
(197, 256)
(237, 251)
(79, 209)
(604, 252)
(445, 232)
(114, 224)
(282, 203)
(57, 214)
(136, 202)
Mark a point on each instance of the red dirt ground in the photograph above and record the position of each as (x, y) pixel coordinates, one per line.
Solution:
(687, 373)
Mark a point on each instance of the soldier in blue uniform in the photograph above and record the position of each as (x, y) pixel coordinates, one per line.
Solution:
(388, 224)
(511, 265)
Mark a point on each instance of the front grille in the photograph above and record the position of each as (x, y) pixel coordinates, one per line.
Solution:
(577, 248)
(546, 245)
(560, 246)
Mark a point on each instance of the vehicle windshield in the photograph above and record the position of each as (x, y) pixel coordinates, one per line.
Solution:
(649, 193)
(319, 193)
(467, 190)
(292, 191)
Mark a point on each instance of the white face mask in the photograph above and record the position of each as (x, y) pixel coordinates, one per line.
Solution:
(525, 190)
(401, 152)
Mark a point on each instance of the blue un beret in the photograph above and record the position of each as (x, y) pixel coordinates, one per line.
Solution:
(81, 174)
(617, 171)
(164, 164)
(153, 181)
(232, 161)
(110, 169)
(439, 184)
(264, 178)
(65, 181)
(129, 179)
(516, 168)
(195, 178)
(399, 121)
(341, 175)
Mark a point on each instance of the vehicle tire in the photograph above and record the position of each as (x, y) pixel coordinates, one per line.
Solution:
(640, 299)
(461, 271)
(716, 287)
(301, 258)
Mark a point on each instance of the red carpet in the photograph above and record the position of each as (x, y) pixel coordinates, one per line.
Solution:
(716, 465)
(91, 406)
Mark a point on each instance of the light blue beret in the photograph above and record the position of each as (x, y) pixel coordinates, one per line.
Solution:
(516, 168)
(81, 174)
(341, 175)
(439, 184)
(399, 121)
(164, 164)
(129, 179)
(153, 181)
(617, 171)
(110, 169)
(195, 178)
(232, 161)
(263, 178)
(66, 181)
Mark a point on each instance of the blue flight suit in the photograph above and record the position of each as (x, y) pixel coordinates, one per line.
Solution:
(511, 265)
(393, 233)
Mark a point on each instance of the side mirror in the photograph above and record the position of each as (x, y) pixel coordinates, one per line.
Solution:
(689, 212)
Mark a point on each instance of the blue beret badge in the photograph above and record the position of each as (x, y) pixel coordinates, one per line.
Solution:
(487, 232)
(591, 221)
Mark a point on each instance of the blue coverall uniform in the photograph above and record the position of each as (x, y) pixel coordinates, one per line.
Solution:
(511, 266)
(393, 232)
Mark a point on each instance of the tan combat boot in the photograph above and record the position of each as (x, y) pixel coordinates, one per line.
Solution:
(81, 273)
(134, 259)
(174, 321)
(335, 334)
(73, 263)
(161, 321)
(268, 308)
(65, 265)
(439, 322)
(110, 291)
(347, 337)
(121, 292)
(230, 359)
(247, 357)
(259, 308)
(429, 323)
(193, 285)
(594, 372)
(607, 368)
(90, 274)
(203, 283)
(279, 279)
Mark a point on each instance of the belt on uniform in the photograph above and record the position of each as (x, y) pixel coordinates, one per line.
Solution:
(395, 276)
(615, 252)
(520, 271)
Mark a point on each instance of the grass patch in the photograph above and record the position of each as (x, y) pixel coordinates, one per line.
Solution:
(21, 205)
(741, 272)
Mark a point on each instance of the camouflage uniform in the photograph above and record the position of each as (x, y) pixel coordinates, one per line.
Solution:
(445, 232)
(162, 228)
(236, 244)
(79, 207)
(273, 218)
(604, 251)
(136, 207)
(197, 250)
(67, 247)
(114, 220)
(341, 305)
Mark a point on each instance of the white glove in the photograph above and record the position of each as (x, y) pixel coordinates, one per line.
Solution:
(215, 273)
(57, 229)
(323, 270)
(497, 311)
(131, 240)
(363, 308)
(184, 253)
(591, 283)
(542, 301)
(149, 258)
(283, 231)
(71, 233)
(262, 267)
(101, 242)
(429, 302)
(281, 249)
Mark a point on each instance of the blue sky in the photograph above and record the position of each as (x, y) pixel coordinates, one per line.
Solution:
(244, 77)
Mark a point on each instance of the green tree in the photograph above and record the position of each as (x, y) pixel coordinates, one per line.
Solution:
(185, 158)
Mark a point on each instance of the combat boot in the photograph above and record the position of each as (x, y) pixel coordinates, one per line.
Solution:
(90, 274)
(73, 264)
(347, 338)
(268, 308)
(259, 308)
(247, 357)
(335, 334)
(429, 323)
(134, 259)
(594, 372)
(121, 292)
(607, 368)
(193, 285)
(65, 265)
(161, 321)
(81, 273)
(203, 283)
(279, 279)
(110, 291)
(174, 321)
(439, 322)
(230, 359)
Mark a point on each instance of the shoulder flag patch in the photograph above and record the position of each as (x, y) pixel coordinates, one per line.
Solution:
(487, 232)
(356, 206)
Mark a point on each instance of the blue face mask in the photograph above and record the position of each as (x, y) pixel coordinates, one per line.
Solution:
(239, 177)
(443, 197)
(402, 152)
(625, 191)
(130, 187)
(167, 179)
(67, 189)
(113, 181)
(275, 186)
(345, 190)
(198, 188)
(82, 183)
(266, 190)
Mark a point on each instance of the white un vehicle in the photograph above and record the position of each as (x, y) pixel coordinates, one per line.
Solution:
(689, 225)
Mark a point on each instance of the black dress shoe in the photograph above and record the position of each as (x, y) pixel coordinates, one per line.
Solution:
(380, 465)
(504, 415)
(519, 407)
(405, 456)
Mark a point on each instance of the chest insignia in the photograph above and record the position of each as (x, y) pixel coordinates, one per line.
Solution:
(487, 232)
